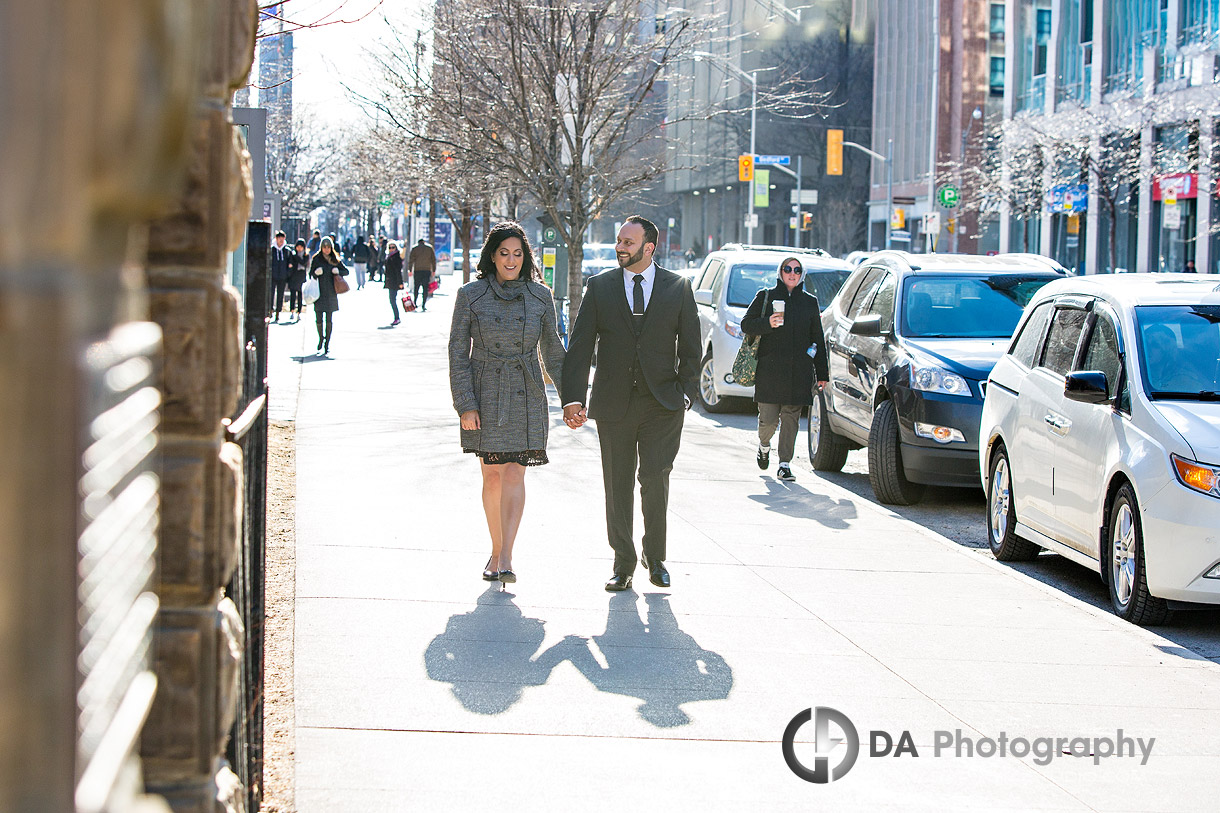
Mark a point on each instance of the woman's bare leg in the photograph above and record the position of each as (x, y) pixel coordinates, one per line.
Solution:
(492, 486)
(512, 506)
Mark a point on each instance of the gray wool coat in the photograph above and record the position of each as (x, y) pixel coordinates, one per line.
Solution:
(493, 362)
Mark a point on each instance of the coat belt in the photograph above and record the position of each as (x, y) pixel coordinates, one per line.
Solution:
(521, 361)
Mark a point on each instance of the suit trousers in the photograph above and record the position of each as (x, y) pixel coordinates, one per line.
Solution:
(788, 418)
(643, 443)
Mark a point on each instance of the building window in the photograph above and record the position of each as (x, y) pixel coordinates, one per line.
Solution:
(1042, 38)
(997, 76)
(997, 23)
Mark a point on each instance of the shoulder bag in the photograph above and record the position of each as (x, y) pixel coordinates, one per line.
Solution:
(745, 366)
(341, 286)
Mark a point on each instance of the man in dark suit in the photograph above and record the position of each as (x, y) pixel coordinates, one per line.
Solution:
(643, 321)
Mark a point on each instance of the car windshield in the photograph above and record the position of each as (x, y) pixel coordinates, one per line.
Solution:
(745, 281)
(1179, 349)
(599, 253)
(968, 307)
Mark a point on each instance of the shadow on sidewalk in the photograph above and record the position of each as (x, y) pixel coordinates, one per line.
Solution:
(653, 660)
(793, 500)
(488, 654)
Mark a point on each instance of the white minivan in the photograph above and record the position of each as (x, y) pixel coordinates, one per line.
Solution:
(724, 288)
(1101, 437)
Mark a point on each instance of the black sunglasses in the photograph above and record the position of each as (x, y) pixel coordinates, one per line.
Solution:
(792, 269)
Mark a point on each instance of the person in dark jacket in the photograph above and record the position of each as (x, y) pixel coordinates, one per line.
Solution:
(315, 243)
(392, 277)
(500, 322)
(360, 259)
(280, 255)
(298, 270)
(326, 265)
(791, 350)
(421, 262)
(379, 260)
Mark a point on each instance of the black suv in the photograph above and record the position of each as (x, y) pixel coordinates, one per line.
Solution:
(910, 340)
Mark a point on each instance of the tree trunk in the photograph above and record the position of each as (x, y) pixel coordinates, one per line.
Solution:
(467, 234)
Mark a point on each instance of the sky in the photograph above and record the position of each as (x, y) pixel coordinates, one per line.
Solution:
(328, 56)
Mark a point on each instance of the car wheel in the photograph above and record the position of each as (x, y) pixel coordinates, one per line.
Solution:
(827, 451)
(711, 400)
(1002, 514)
(885, 472)
(1128, 582)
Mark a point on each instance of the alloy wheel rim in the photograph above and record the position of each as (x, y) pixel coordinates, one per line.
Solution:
(707, 384)
(815, 424)
(1122, 554)
(1000, 496)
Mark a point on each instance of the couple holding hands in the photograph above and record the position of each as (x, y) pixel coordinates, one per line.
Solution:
(643, 321)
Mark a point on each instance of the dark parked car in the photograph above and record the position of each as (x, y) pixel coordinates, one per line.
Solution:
(910, 341)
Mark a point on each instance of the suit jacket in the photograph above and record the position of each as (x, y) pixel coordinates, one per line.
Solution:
(668, 345)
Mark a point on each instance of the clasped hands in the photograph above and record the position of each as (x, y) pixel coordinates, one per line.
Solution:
(575, 415)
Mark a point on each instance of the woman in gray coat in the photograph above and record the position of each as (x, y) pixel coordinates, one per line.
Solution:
(499, 322)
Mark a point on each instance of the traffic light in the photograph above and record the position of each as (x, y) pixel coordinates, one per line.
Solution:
(745, 168)
(834, 152)
(806, 220)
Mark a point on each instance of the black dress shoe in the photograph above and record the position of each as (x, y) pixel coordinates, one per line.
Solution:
(618, 583)
(657, 574)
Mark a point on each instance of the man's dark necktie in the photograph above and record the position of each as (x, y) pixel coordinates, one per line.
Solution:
(637, 295)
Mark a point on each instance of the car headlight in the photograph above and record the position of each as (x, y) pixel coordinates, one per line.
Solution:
(1197, 476)
(930, 378)
(734, 330)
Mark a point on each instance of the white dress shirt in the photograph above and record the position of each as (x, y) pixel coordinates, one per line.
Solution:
(650, 274)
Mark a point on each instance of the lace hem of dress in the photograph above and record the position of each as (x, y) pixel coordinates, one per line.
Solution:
(530, 457)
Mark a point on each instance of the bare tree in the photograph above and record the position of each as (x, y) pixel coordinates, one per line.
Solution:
(302, 169)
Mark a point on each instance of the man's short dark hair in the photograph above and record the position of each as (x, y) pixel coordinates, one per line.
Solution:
(651, 235)
(315, 231)
(281, 234)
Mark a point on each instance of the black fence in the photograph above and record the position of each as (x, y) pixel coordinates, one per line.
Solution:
(247, 588)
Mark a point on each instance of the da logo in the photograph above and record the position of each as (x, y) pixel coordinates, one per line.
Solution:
(825, 745)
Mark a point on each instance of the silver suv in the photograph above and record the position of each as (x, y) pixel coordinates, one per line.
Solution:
(724, 288)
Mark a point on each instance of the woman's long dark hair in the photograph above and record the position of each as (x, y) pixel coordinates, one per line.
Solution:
(334, 256)
(498, 234)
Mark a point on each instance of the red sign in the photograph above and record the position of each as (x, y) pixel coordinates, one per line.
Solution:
(1176, 186)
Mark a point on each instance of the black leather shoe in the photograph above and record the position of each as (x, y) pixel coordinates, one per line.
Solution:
(657, 574)
(618, 583)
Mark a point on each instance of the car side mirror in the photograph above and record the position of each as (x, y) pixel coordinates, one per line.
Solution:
(866, 326)
(1087, 387)
(703, 297)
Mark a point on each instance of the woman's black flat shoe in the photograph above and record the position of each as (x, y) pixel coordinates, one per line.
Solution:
(507, 576)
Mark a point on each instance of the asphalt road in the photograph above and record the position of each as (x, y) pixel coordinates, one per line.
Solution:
(959, 514)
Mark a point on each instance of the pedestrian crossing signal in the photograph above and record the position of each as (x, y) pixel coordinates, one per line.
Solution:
(745, 168)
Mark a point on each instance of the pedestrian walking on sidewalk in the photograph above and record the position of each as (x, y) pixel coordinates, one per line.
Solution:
(421, 262)
(281, 254)
(646, 330)
(500, 320)
(298, 271)
(360, 260)
(791, 351)
(392, 276)
(326, 266)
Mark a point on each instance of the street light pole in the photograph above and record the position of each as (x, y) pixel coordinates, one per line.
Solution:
(975, 115)
(888, 160)
(752, 78)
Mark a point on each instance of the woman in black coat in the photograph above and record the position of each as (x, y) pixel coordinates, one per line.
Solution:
(298, 270)
(392, 276)
(326, 266)
(783, 386)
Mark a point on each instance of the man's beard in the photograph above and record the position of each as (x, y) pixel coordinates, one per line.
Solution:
(631, 260)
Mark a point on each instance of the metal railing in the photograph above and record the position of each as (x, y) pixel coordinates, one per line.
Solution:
(248, 429)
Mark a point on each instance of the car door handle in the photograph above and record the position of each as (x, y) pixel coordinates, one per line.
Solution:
(1058, 424)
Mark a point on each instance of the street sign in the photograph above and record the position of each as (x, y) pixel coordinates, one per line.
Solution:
(549, 234)
(1068, 198)
(752, 221)
(782, 160)
(901, 235)
(1171, 216)
(948, 196)
(808, 197)
(762, 188)
(745, 168)
(384, 201)
(898, 218)
(931, 223)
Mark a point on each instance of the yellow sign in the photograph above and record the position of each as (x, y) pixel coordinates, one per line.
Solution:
(898, 220)
(762, 188)
(834, 152)
(1073, 226)
(745, 168)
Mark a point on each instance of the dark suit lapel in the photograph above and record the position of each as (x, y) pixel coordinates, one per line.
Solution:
(618, 292)
(660, 290)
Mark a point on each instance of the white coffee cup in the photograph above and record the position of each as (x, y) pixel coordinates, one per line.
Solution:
(778, 307)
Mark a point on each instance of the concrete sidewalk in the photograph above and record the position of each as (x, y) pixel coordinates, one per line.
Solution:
(418, 687)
